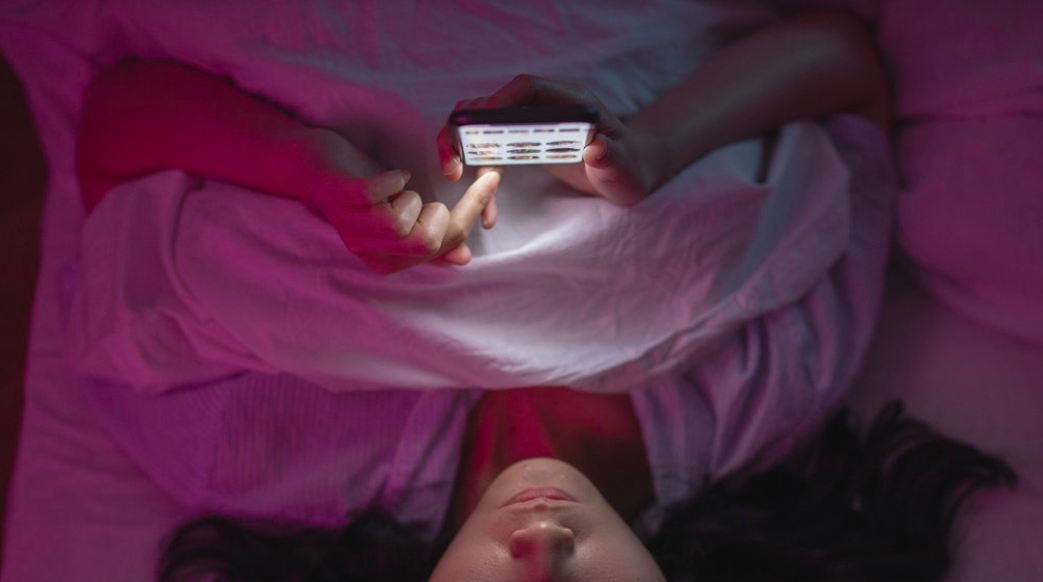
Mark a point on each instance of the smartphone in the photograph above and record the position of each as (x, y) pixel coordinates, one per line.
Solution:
(552, 134)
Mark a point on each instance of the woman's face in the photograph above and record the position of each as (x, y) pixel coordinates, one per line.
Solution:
(541, 520)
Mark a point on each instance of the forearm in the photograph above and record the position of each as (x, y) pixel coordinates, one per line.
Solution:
(804, 67)
(142, 117)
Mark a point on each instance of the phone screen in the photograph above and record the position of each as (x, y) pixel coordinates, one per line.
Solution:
(528, 135)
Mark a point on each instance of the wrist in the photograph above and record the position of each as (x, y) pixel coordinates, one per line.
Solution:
(313, 162)
(648, 155)
(667, 148)
(652, 158)
(292, 163)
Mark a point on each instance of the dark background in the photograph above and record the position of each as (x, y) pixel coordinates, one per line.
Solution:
(22, 176)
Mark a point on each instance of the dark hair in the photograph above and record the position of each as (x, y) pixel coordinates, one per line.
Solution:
(372, 547)
(837, 511)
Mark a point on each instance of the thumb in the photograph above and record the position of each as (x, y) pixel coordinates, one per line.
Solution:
(602, 152)
(612, 172)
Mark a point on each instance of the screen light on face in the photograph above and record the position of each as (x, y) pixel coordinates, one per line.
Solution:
(542, 519)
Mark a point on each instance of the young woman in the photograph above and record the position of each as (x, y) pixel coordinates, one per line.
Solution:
(843, 509)
(550, 480)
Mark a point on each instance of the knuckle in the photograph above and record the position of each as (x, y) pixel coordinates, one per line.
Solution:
(402, 226)
(406, 208)
(484, 195)
(454, 240)
(456, 235)
(430, 244)
(361, 193)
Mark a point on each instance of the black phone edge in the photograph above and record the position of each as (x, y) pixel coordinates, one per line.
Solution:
(517, 115)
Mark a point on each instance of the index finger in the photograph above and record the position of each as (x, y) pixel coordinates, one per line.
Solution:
(470, 207)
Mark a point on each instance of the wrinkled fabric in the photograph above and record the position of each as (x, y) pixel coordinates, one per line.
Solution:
(970, 217)
(967, 83)
(264, 445)
(784, 295)
(190, 285)
(187, 282)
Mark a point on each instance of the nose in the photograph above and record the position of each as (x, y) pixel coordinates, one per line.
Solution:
(544, 545)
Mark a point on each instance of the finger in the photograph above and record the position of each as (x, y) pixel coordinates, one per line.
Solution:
(470, 208)
(489, 214)
(483, 170)
(610, 172)
(466, 103)
(389, 220)
(379, 188)
(521, 90)
(423, 242)
(474, 103)
(599, 152)
(404, 211)
(426, 238)
(460, 255)
(448, 157)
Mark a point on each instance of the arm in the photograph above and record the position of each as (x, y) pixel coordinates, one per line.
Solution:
(805, 66)
(141, 117)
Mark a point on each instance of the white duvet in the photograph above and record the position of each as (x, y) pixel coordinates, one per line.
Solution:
(184, 281)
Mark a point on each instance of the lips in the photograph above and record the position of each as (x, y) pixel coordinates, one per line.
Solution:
(532, 493)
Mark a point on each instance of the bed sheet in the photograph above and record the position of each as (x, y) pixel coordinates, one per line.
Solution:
(968, 102)
(961, 339)
(77, 505)
(74, 497)
(961, 333)
(982, 385)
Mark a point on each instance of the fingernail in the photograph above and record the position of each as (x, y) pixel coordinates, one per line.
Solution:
(405, 175)
(601, 155)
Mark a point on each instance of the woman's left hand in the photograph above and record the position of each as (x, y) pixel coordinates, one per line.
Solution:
(388, 227)
(614, 162)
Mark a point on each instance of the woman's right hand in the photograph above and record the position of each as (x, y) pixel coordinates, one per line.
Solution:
(388, 227)
(614, 163)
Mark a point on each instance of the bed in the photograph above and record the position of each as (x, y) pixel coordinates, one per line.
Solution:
(963, 347)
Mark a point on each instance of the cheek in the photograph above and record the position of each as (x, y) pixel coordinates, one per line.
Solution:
(471, 559)
(619, 559)
(621, 569)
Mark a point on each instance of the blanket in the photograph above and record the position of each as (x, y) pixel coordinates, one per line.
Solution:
(187, 281)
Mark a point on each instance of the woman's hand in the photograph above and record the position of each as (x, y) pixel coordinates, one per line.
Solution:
(131, 127)
(613, 163)
(388, 227)
(805, 66)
